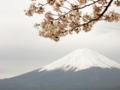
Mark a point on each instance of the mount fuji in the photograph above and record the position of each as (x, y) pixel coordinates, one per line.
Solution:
(81, 59)
(83, 69)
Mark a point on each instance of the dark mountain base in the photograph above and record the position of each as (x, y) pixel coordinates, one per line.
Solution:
(89, 79)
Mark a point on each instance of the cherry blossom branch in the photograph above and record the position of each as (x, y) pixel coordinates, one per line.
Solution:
(78, 9)
(63, 23)
(68, 2)
(100, 15)
(87, 5)
(44, 4)
(65, 7)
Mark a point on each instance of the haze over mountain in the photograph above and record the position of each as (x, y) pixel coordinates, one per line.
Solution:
(83, 69)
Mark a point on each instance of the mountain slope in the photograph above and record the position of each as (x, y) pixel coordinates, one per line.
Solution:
(89, 79)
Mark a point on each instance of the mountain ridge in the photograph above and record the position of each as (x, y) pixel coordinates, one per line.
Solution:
(94, 78)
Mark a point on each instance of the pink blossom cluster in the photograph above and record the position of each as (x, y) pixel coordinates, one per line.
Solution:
(62, 23)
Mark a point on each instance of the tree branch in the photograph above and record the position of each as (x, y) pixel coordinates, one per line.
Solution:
(98, 16)
(78, 9)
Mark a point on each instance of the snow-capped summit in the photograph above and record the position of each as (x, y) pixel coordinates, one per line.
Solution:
(81, 59)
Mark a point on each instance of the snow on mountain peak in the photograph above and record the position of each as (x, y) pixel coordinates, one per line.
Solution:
(81, 59)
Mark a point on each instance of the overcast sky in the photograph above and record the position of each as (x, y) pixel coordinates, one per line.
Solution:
(23, 50)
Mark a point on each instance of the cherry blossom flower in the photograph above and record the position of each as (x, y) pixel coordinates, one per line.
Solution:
(59, 22)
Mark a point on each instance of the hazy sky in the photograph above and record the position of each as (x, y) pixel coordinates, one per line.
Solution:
(23, 50)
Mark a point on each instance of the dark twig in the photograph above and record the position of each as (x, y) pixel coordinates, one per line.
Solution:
(97, 17)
